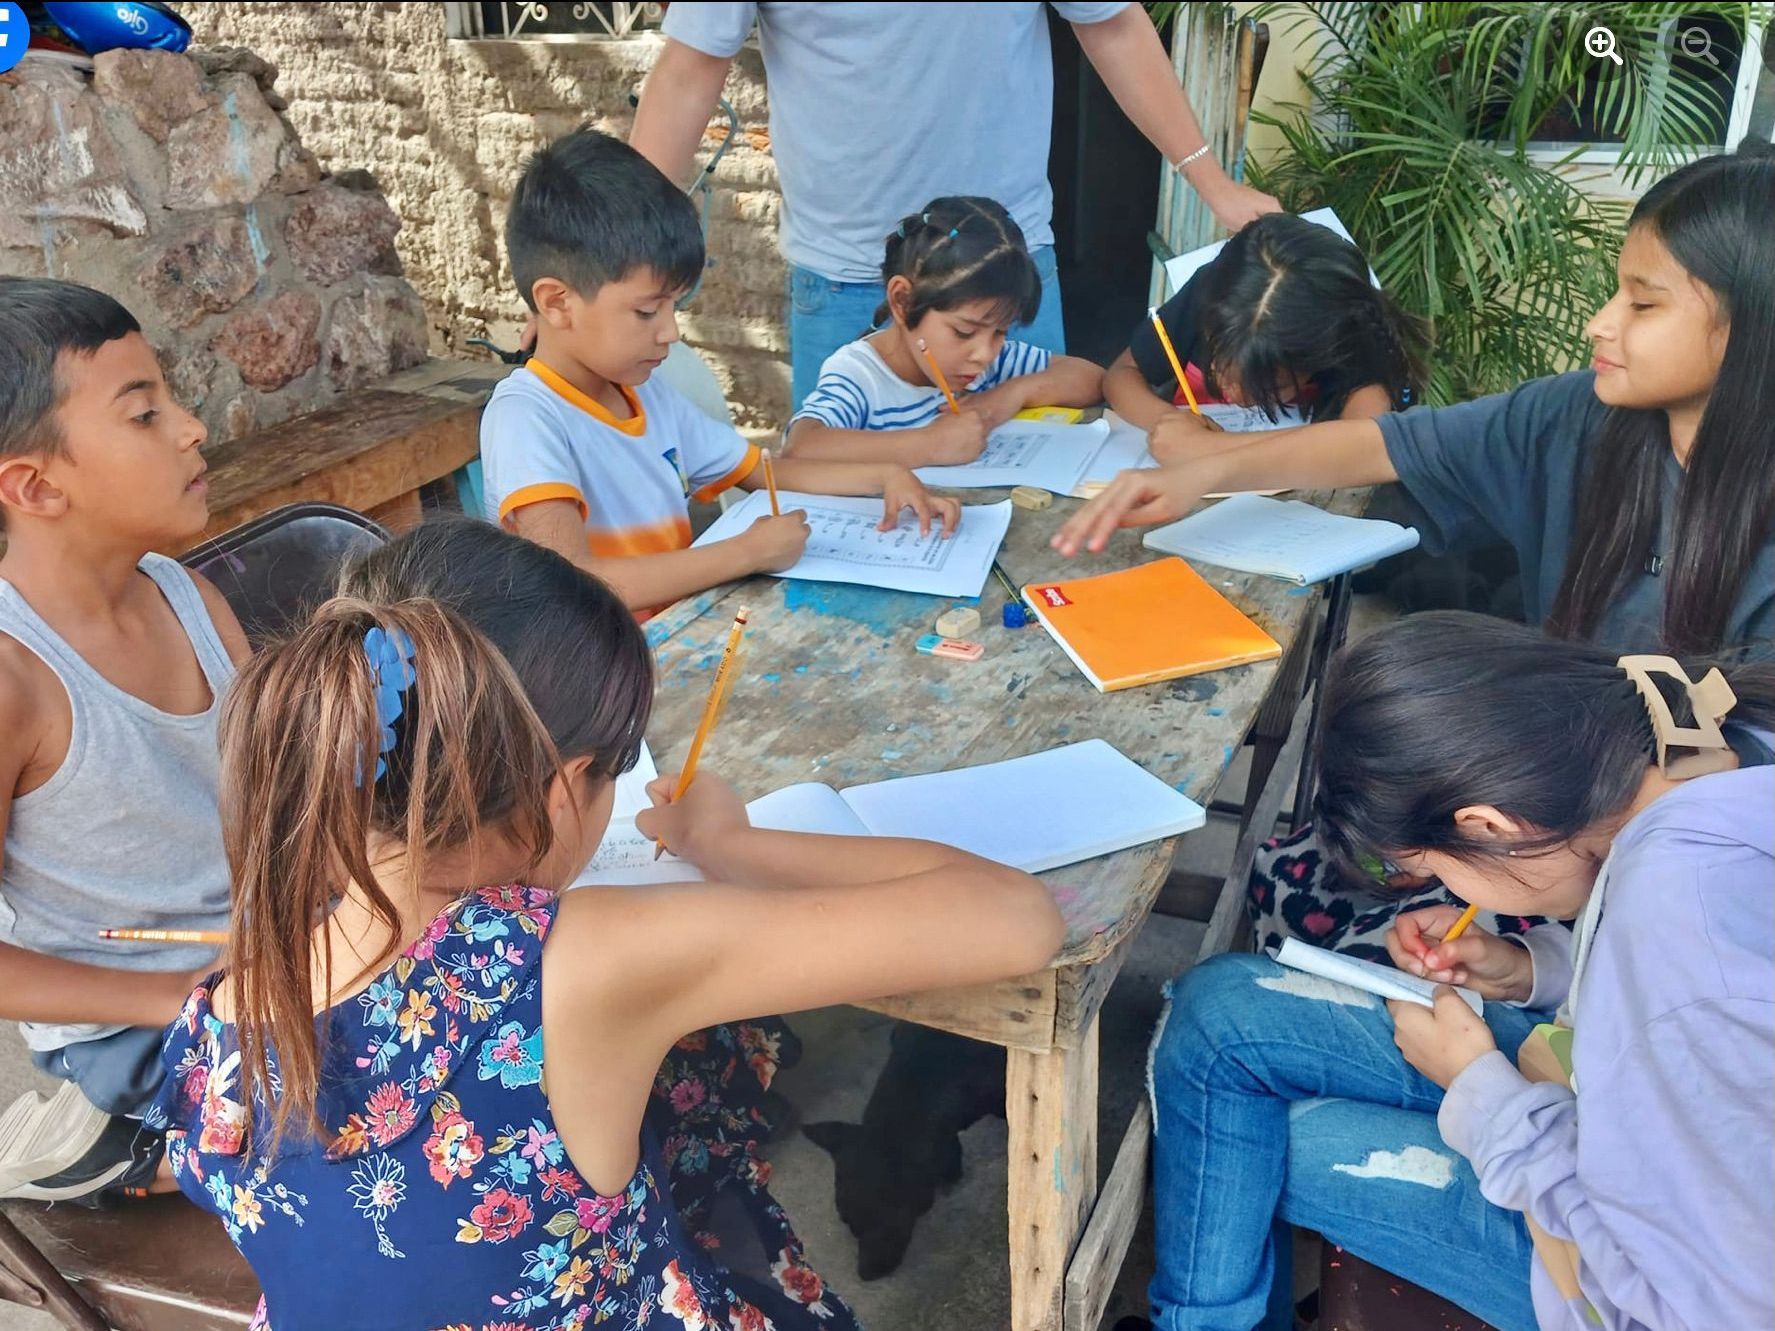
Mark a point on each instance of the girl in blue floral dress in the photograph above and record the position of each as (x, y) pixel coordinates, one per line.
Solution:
(363, 1094)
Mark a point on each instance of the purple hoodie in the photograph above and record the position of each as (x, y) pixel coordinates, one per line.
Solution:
(1669, 1190)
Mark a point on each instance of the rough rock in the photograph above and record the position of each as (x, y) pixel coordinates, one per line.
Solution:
(227, 153)
(209, 269)
(298, 170)
(191, 375)
(240, 416)
(274, 341)
(157, 89)
(58, 162)
(219, 60)
(374, 333)
(333, 233)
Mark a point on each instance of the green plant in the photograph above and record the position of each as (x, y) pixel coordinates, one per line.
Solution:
(1417, 132)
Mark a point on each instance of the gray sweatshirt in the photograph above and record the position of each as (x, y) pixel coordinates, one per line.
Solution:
(1668, 1191)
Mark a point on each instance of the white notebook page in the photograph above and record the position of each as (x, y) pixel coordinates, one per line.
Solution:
(1283, 538)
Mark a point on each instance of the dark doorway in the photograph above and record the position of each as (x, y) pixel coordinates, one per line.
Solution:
(1106, 195)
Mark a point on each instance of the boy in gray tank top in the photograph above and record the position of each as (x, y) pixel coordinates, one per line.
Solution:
(113, 662)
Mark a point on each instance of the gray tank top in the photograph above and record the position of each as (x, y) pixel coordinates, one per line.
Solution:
(127, 833)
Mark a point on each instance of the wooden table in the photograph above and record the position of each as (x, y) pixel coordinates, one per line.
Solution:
(833, 691)
(371, 450)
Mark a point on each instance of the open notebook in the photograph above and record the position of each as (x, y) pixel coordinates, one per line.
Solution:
(1366, 975)
(1125, 449)
(1182, 267)
(1037, 812)
(1281, 538)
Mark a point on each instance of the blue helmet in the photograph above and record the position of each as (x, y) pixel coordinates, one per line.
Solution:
(123, 23)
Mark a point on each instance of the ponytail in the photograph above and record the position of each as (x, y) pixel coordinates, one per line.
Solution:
(313, 768)
(1440, 711)
(959, 250)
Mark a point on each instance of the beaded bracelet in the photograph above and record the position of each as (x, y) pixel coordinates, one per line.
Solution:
(1182, 162)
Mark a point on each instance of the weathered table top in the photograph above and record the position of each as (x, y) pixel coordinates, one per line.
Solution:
(832, 690)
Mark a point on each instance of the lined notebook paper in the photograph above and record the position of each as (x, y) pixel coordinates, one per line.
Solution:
(1281, 538)
(844, 544)
(1367, 975)
(1037, 812)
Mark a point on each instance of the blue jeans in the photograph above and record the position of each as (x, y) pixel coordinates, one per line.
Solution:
(120, 1073)
(1279, 1100)
(824, 315)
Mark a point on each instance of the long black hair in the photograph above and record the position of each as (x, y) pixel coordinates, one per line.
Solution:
(962, 249)
(1717, 218)
(1444, 710)
(1288, 299)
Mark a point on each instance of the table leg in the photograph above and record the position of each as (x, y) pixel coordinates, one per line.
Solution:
(399, 514)
(1051, 1106)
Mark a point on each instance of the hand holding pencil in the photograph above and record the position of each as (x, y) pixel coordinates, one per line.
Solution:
(718, 691)
(1426, 943)
(1177, 370)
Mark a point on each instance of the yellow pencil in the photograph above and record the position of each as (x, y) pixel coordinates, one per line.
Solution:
(711, 710)
(937, 375)
(770, 483)
(163, 936)
(1171, 355)
(1459, 927)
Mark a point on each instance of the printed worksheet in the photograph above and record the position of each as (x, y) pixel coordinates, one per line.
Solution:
(1046, 454)
(846, 547)
(625, 857)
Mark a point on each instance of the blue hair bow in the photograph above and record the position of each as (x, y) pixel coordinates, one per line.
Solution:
(391, 672)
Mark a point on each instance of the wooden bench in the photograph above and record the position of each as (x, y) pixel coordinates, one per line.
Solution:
(372, 451)
(159, 1264)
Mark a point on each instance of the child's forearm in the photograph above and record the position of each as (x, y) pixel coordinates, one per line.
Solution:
(38, 987)
(1069, 381)
(1132, 398)
(646, 582)
(813, 442)
(825, 477)
(758, 857)
(1328, 455)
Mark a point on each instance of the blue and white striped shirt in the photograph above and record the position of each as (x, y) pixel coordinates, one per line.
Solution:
(858, 391)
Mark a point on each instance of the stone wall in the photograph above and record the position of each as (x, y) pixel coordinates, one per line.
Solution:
(445, 125)
(174, 184)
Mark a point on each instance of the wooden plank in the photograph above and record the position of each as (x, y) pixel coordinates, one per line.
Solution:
(1092, 1273)
(1081, 990)
(1229, 909)
(1018, 1014)
(445, 376)
(362, 452)
(1051, 1108)
(402, 513)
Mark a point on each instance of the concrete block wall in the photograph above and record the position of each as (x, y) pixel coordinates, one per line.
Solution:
(444, 126)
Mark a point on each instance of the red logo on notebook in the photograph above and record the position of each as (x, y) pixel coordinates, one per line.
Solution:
(1052, 596)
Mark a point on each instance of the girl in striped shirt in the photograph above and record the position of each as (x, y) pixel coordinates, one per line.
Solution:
(958, 276)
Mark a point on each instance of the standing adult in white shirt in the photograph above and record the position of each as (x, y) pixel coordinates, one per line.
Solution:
(877, 107)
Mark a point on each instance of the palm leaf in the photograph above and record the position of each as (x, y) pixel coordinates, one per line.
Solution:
(1417, 129)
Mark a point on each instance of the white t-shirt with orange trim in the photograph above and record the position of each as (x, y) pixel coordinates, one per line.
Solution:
(633, 480)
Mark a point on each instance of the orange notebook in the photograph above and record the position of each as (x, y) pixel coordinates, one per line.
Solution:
(1145, 624)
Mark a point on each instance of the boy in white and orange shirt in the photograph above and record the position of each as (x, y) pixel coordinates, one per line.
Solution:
(581, 452)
